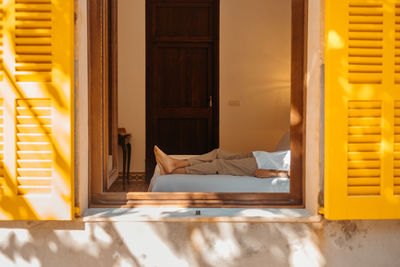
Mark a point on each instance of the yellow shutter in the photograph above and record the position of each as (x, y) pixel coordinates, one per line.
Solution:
(362, 107)
(36, 109)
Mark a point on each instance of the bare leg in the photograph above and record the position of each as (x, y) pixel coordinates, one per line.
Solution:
(167, 163)
(217, 154)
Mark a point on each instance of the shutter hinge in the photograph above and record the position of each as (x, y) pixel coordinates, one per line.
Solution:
(321, 211)
(77, 212)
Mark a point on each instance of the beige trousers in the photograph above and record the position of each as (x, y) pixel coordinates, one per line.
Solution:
(222, 162)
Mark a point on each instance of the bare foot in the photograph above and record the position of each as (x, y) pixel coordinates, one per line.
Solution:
(162, 171)
(160, 167)
(166, 163)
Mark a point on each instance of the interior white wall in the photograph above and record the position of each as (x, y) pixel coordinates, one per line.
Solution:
(255, 44)
(132, 77)
(254, 70)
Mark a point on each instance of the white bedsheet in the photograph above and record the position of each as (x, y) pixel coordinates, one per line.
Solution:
(216, 183)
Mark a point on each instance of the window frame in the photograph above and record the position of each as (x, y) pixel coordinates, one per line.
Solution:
(98, 79)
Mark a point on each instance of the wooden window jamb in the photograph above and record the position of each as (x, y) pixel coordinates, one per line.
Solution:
(97, 164)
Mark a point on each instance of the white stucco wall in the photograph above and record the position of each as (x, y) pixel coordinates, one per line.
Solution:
(194, 244)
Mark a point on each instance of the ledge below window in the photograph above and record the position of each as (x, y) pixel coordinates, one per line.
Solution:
(153, 214)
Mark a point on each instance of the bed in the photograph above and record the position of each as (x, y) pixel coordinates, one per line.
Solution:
(216, 183)
(221, 183)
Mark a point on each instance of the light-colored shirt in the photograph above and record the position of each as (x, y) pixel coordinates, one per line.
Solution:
(279, 160)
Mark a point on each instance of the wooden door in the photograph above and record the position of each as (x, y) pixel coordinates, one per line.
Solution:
(182, 77)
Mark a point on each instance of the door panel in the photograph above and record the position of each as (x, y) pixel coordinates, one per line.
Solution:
(184, 20)
(175, 132)
(182, 77)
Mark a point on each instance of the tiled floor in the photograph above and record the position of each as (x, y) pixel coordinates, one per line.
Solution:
(137, 183)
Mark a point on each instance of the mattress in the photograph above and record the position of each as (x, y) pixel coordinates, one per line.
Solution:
(217, 183)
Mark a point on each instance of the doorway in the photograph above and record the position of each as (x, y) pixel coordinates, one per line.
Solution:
(182, 65)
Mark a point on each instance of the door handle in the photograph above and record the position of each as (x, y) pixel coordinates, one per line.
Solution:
(210, 101)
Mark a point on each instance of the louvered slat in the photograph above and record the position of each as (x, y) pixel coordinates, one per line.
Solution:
(34, 147)
(397, 45)
(365, 43)
(396, 149)
(33, 41)
(364, 148)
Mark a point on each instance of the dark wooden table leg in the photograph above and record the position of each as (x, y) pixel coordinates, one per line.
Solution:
(123, 164)
(128, 145)
(123, 141)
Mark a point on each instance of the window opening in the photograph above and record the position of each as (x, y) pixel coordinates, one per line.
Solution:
(275, 82)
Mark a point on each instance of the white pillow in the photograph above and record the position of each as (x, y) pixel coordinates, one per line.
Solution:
(284, 143)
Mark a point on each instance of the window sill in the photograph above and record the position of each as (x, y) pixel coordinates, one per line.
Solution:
(152, 214)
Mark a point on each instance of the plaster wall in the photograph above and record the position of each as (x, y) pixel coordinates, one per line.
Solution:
(254, 74)
(351, 243)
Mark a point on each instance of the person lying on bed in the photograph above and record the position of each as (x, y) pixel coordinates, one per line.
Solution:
(258, 163)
